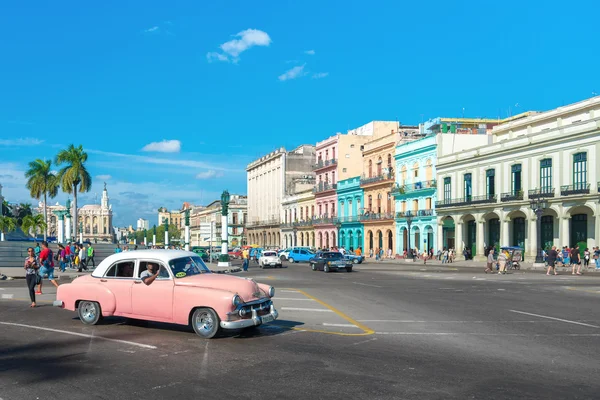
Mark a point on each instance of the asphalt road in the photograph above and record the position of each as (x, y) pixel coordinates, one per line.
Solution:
(384, 331)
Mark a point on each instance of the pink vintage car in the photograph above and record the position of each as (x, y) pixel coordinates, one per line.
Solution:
(183, 292)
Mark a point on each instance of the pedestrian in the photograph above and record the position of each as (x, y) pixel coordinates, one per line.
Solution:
(37, 250)
(586, 258)
(90, 255)
(245, 258)
(490, 261)
(502, 260)
(389, 253)
(566, 255)
(425, 257)
(46, 266)
(61, 258)
(552, 256)
(31, 273)
(377, 254)
(118, 249)
(597, 257)
(451, 255)
(82, 258)
(575, 261)
(445, 256)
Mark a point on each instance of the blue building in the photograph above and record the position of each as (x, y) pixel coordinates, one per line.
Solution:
(415, 193)
(350, 206)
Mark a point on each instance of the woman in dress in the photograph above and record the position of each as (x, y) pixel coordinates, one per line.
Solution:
(31, 268)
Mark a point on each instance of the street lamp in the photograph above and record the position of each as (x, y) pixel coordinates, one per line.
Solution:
(224, 257)
(538, 206)
(409, 218)
(338, 225)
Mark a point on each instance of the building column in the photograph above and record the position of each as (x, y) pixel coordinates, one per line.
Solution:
(68, 229)
(504, 229)
(533, 239)
(60, 229)
(459, 243)
(440, 236)
(480, 240)
(564, 237)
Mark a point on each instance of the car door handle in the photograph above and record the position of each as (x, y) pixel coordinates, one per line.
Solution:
(137, 282)
(103, 280)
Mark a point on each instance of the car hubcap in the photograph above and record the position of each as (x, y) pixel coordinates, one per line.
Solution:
(204, 323)
(88, 311)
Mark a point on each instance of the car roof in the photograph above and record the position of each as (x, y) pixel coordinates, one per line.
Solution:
(152, 254)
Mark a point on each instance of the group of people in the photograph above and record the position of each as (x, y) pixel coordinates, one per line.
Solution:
(75, 256)
(571, 257)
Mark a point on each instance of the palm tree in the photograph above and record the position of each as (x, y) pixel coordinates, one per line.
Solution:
(73, 175)
(42, 182)
(33, 223)
(7, 224)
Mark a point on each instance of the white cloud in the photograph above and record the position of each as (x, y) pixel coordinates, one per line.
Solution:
(245, 40)
(310, 52)
(209, 174)
(21, 142)
(166, 146)
(104, 177)
(154, 29)
(320, 75)
(293, 73)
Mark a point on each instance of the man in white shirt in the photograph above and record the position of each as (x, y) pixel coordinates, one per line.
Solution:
(149, 276)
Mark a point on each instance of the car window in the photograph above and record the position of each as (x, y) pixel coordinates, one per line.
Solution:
(122, 269)
(164, 274)
(269, 254)
(303, 252)
(332, 256)
(188, 266)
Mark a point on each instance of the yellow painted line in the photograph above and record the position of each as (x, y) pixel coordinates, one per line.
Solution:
(583, 290)
(366, 330)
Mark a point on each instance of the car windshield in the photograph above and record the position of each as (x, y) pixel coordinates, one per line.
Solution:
(270, 254)
(187, 266)
(332, 256)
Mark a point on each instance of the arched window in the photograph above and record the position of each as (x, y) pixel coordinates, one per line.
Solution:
(428, 171)
(416, 171)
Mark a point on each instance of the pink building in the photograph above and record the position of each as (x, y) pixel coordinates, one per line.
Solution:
(326, 173)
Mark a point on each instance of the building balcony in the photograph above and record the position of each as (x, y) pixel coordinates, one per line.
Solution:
(466, 201)
(414, 214)
(324, 164)
(348, 218)
(264, 222)
(364, 181)
(324, 221)
(297, 224)
(512, 196)
(371, 216)
(578, 188)
(324, 187)
(541, 193)
(414, 187)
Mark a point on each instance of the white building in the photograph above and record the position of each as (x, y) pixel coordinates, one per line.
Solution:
(269, 179)
(484, 194)
(142, 224)
(206, 226)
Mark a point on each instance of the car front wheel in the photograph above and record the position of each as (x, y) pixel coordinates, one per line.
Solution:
(313, 266)
(89, 312)
(326, 268)
(206, 323)
(348, 269)
(355, 261)
(291, 260)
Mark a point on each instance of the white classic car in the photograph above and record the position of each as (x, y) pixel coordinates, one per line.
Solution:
(269, 259)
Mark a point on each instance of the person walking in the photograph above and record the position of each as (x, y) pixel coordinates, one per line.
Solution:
(46, 266)
(597, 257)
(490, 261)
(245, 255)
(502, 260)
(82, 258)
(90, 256)
(586, 258)
(31, 273)
(37, 250)
(552, 259)
(61, 258)
(575, 260)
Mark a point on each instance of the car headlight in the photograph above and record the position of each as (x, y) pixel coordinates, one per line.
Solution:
(271, 291)
(237, 300)
(328, 262)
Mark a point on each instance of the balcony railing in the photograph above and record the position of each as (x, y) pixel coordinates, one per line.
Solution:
(348, 218)
(324, 221)
(374, 179)
(541, 193)
(464, 201)
(414, 187)
(578, 188)
(418, 213)
(512, 196)
(324, 186)
(265, 222)
(324, 163)
(289, 225)
(371, 216)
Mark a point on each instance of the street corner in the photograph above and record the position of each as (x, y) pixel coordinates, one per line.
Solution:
(311, 314)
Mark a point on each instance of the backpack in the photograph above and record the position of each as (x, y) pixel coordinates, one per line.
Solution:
(48, 263)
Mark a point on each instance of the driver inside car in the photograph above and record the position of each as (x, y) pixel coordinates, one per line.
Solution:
(152, 272)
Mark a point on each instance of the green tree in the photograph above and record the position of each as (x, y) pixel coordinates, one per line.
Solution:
(139, 237)
(160, 234)
(5, 208)
(174, 233)
(32, 224)
(7, 224)
(73, 176)
(20, 211)
(41, 182)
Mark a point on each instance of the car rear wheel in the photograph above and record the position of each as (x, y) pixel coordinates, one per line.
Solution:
(326, 268)
(282, 258)
(355, 260)
(291, 260)
(206, 323)
(348, 269)
(313, 266)
(89, 312)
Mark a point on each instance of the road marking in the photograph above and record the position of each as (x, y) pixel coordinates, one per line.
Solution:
(537, 321)
(288, 291)
(584, 290)
(291, 298)
(8, 296)
(366, 284)
(340, 325)
(364, 341)
(487, 334)
(304, 309)
(41, 328)
(555, 319)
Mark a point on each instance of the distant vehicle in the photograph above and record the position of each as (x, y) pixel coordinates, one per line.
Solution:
(268, 259)
(354, 258)
(330, 261)
(202, 253)
(283, 254)
(300, 255)
(235, 253)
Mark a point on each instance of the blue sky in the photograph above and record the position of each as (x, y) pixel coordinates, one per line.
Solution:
(224, 82)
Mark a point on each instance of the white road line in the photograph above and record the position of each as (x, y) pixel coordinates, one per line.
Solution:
(304, 309)
(288, 291)
(340, 325)
(366, 284)
(450, 322)
(1, 288)
(555, 319)
(8, 296)
(487, 334)
(291, 298)
(41, 328)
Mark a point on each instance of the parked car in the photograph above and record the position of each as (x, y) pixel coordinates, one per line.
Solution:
(354, 258)
(268, 259)
(235, 253)
(300, 255)
(185, 292)
(202, 253)
(330, 261)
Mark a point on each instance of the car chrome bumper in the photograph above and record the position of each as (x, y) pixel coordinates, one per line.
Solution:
(58, 303)
(252, 321)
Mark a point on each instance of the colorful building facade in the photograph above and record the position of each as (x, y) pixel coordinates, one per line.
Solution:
(350, 203)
